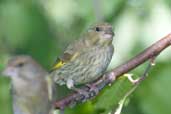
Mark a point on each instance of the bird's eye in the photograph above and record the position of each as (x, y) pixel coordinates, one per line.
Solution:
(97, 29)
(20, 65)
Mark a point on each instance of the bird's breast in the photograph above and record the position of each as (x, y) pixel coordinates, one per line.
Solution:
(87, 67)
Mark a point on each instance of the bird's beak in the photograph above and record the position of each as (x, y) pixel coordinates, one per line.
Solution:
(10, 72)
(110, 32)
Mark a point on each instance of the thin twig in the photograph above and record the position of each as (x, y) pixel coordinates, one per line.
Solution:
(149, 53)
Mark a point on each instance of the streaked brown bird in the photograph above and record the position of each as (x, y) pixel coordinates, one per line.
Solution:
(29, 86)
(85, 59)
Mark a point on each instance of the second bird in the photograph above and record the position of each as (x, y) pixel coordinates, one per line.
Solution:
(86, 59)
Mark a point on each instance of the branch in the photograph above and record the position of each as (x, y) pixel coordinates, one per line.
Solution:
(110, 77)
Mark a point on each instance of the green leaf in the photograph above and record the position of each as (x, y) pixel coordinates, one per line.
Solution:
(109, 98)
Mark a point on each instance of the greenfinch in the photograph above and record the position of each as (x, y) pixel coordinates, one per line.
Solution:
(85, 59)
(30, 92)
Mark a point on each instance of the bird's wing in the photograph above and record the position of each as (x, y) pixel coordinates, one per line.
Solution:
(63, 60)
(69, 54)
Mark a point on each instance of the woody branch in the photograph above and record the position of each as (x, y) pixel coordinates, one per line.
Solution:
(151, 52)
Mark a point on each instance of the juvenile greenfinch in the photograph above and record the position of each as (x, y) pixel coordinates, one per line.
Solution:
(85, 59)
(29, 86)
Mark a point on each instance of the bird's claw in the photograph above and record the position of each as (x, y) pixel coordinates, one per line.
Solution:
(93, 89)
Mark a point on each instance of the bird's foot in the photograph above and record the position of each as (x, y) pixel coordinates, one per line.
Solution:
(82, 92)
(93, 89)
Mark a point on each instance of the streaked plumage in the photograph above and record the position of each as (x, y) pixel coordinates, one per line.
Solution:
(85, 59)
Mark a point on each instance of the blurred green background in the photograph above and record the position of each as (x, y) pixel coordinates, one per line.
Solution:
(43, 28)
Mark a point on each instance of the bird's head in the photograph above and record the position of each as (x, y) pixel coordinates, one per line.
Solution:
(100, 34)
(23, 67)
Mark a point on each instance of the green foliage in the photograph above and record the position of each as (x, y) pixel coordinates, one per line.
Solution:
(115, 93)
(155, 92)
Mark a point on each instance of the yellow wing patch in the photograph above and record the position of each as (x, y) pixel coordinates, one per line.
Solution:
(57, 65)
(60, 62)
